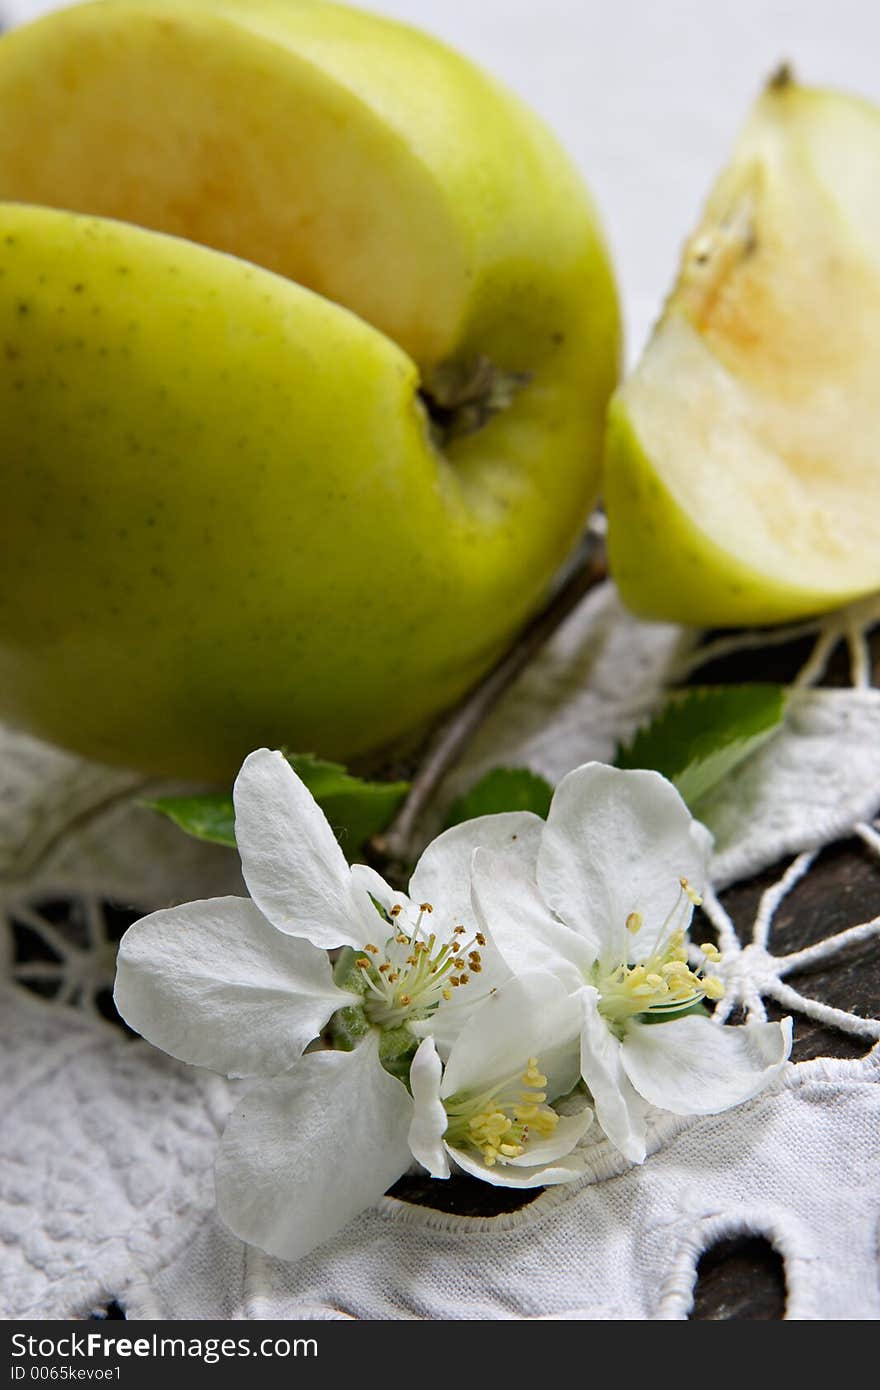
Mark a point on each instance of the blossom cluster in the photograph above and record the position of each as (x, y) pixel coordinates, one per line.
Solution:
(536, 981)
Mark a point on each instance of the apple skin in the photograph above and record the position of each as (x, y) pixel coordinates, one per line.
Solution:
(226, 522)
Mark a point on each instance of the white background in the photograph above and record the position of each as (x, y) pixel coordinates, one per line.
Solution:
(646, 96)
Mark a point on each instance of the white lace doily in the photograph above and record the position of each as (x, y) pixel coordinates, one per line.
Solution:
(107, 1146)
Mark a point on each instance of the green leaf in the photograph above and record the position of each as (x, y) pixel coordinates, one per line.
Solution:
(704, 733)
(205, 817)
(355, 809)
(504, 789)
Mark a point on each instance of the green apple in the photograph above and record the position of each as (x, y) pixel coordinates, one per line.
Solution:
(307, 330)
(742, 468)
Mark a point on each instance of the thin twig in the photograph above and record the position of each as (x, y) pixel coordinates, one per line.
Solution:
(395, 849)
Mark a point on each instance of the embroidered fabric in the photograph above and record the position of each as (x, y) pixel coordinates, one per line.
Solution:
(107, 1146)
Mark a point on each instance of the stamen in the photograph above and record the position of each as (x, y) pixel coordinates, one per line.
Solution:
(691, 893)
(498, 1123)
(663, 983)
(416, 970)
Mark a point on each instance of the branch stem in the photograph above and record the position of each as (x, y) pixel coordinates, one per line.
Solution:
(395, 850)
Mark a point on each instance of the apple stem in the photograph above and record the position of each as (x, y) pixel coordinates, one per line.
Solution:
(395, 850)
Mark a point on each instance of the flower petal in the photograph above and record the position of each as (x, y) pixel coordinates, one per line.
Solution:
(214, 984)
(692, 1066)
(291, 861)
(532, 1016)
(305, 1152)
(510, 910)
(365, 880)
(617, 842)
(443, 874)
(506, 1175)
(429, 1119)
(619, 1109)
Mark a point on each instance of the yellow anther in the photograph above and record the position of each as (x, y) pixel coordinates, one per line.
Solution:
(546, 1121)
(531, 1076)
(384, 967)
(684, 983)
(712, 987)
(402, 940)
(511, 1150)
(657, 982)
(710, 951)
(690, 892)
(447, 994)
(643, 991)
(481, 940)
(373, 950)
(674, 967)
(425, 907)
(634, 922)
(459, 931)
(404, 1000)
(464, 979)
(362, 963)
(476, 967)
(395, 911)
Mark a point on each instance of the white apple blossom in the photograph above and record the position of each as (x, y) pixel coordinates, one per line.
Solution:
(243, 986)
(605, 905)
(490, 1108)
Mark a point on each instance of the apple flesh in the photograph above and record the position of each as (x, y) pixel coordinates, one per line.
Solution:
(742, 470)
(309, 331)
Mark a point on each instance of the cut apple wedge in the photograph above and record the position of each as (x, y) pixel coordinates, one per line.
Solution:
(743, 454)
(309, 331)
